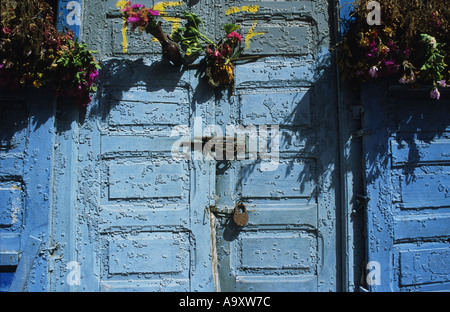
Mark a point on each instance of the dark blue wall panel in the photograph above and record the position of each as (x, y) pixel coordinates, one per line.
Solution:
(407, 176)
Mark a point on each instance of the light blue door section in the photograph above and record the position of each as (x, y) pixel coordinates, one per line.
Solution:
(406, 155)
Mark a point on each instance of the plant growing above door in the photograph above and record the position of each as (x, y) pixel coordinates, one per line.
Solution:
(409, 41)
(220, 57)
(145, 19)
(218, 64)
(33, 53)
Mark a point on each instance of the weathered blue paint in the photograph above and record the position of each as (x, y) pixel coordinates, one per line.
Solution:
(407, 182)
(289, 243)
(136, 219)
(26, 159)
(69, 15)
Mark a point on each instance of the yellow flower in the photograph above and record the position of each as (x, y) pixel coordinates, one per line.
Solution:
(37, 84)
(364, 42)
(388, 31)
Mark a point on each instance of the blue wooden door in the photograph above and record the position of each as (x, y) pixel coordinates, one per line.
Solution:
(136, 218)
(407, 184)
(289, 242)
(137, 215)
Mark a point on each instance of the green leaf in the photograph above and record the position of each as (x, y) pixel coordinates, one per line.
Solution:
(237, 53)
(177, 35)
(193, 18)
(231, 27)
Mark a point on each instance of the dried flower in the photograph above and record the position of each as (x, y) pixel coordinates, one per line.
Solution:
(139, 16)
(373, 72)
(435, 94)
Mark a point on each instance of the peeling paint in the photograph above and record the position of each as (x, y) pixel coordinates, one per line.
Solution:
(251, 33)
(244, 8)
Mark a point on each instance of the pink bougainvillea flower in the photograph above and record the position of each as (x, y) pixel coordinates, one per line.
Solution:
(234, 35)
(435, 94)
(93, 75)
(216, 53)
(6, 30)
(137, 6)
(406, 53)
(442, 83)
(154, 12)
(133, 19)
(391, 67)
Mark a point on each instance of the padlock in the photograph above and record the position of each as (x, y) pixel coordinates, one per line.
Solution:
(240, 215)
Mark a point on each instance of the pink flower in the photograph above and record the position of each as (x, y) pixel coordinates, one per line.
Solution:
(93, 75)
(235, 35)
(435, 94)
(154, 12)
(406, 53)
(373, 72)
(133, 19)
(137, 6)
(216, 53)
(391, 67)
(442, 83)
(6, 30)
